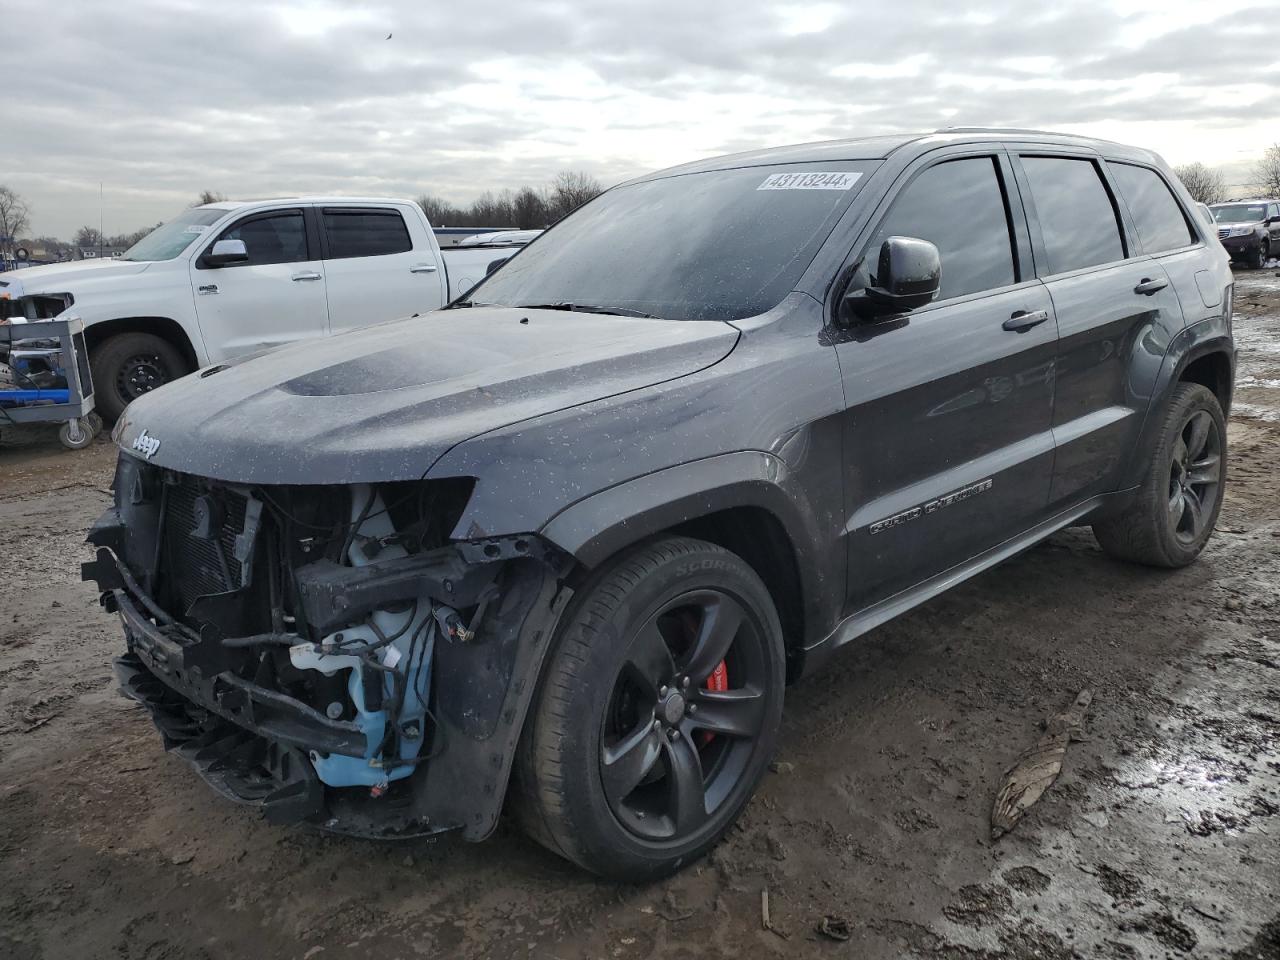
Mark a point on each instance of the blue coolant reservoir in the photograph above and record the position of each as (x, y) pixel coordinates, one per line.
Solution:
(408, 656)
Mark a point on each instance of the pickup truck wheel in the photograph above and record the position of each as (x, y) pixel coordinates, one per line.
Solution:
(657, 713)
(1177, 507)
(128, 365)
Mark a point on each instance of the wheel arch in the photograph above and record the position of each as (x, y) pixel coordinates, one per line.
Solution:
(168, 329)
(1202, 353)
(1211, 367)
(738, 501)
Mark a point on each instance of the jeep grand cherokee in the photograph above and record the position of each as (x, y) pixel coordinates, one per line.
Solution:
(562, 545)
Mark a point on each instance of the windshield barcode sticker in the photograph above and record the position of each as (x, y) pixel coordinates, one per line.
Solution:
(813, 180)
(195, 228)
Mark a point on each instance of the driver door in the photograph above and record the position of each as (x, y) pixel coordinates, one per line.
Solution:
(948, 428)
(277, 297)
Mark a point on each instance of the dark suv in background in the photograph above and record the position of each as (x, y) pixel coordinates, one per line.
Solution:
(1249, 229)
(577, 532)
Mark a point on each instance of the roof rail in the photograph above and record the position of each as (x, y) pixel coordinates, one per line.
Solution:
(1026, 130)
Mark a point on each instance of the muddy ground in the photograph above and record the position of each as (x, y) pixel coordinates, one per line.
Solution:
(1161, 839)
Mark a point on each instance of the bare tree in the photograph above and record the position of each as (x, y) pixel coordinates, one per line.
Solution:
(1204, 184)
(440, 213)
(529, 209)
(15, 215)
(127, 240)
(209, 196)
(1266, 172)
(88, 238)
(571, 189)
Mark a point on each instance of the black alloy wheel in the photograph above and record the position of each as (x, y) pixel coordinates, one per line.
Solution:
(1170, 517)
(672, 745)
(1194, 475)
(656, 713)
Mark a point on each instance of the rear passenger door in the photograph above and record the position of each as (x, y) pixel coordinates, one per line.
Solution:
(375, 266)
(1116, 309)
(948, 445)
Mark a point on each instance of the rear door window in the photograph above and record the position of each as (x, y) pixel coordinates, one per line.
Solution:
(1077, 217)
(364, 233)
(959, 207)
(1157, 215)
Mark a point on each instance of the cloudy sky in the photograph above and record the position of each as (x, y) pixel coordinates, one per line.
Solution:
(159, 100)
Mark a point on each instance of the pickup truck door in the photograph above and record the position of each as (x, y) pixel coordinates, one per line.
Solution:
(379, 265)
(948, 446)
(277, 297)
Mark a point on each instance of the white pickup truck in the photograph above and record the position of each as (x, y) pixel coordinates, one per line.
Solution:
(227, 279)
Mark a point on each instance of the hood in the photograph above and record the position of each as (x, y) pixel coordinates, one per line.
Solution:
(385, 402)
(63, 277)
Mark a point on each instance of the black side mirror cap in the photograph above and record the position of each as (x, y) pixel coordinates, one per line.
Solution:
(908, 276)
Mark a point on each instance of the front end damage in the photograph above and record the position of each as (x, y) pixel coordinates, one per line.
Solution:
(326, 652)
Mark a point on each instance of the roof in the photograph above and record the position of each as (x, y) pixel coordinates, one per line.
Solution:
(318, 199)
(880, 147)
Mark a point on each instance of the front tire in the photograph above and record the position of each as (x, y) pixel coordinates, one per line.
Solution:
(128, 365)
(1177, 506)
(1257, 258)
(657, 713)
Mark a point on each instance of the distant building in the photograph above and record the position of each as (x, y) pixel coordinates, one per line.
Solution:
(93, 253)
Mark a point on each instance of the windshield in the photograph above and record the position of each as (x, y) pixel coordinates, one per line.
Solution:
(1240, 213)
(719, 245)
(169, 239)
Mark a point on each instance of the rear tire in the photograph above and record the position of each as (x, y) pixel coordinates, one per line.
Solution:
(1177, 505)
(128, 365)
(623, 768)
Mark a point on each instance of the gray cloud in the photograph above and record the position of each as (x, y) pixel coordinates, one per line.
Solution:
(160, 100)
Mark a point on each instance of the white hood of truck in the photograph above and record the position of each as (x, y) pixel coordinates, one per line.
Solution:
(64, 277)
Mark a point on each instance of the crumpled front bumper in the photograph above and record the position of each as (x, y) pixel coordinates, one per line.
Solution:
(256, 745)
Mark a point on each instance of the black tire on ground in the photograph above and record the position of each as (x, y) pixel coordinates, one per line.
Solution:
(128, 365)
(1177, 506)
(622, 767)
(1257, 258)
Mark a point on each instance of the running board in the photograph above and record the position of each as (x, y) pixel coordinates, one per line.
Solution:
(884, 610)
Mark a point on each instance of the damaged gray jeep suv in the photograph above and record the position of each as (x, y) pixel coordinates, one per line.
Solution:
(560, 546)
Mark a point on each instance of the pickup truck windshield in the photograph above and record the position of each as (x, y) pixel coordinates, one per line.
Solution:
(169, 239)
(1240, 213)
(718, 245)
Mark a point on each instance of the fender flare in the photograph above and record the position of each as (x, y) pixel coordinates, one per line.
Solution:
(1199, 340)
(598, 526)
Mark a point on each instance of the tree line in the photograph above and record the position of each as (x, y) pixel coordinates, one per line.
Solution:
(531, 207)
(526, 208)
(1207, 185)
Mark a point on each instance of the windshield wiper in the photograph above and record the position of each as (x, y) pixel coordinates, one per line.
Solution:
(588, 308)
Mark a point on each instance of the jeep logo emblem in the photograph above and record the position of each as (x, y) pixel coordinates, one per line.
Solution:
(145, 445)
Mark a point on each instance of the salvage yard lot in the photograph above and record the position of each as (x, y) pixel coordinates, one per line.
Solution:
(1160, 838)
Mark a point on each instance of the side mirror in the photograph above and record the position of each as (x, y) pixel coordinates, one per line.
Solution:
(908, 275)
(495, 264)
(226, 252)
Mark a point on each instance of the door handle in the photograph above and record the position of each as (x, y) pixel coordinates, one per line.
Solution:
(308, 275)
(423, 268)
(1023, 320)
(1149, 288)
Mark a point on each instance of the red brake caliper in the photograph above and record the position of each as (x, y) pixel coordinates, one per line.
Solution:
(719, 682)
